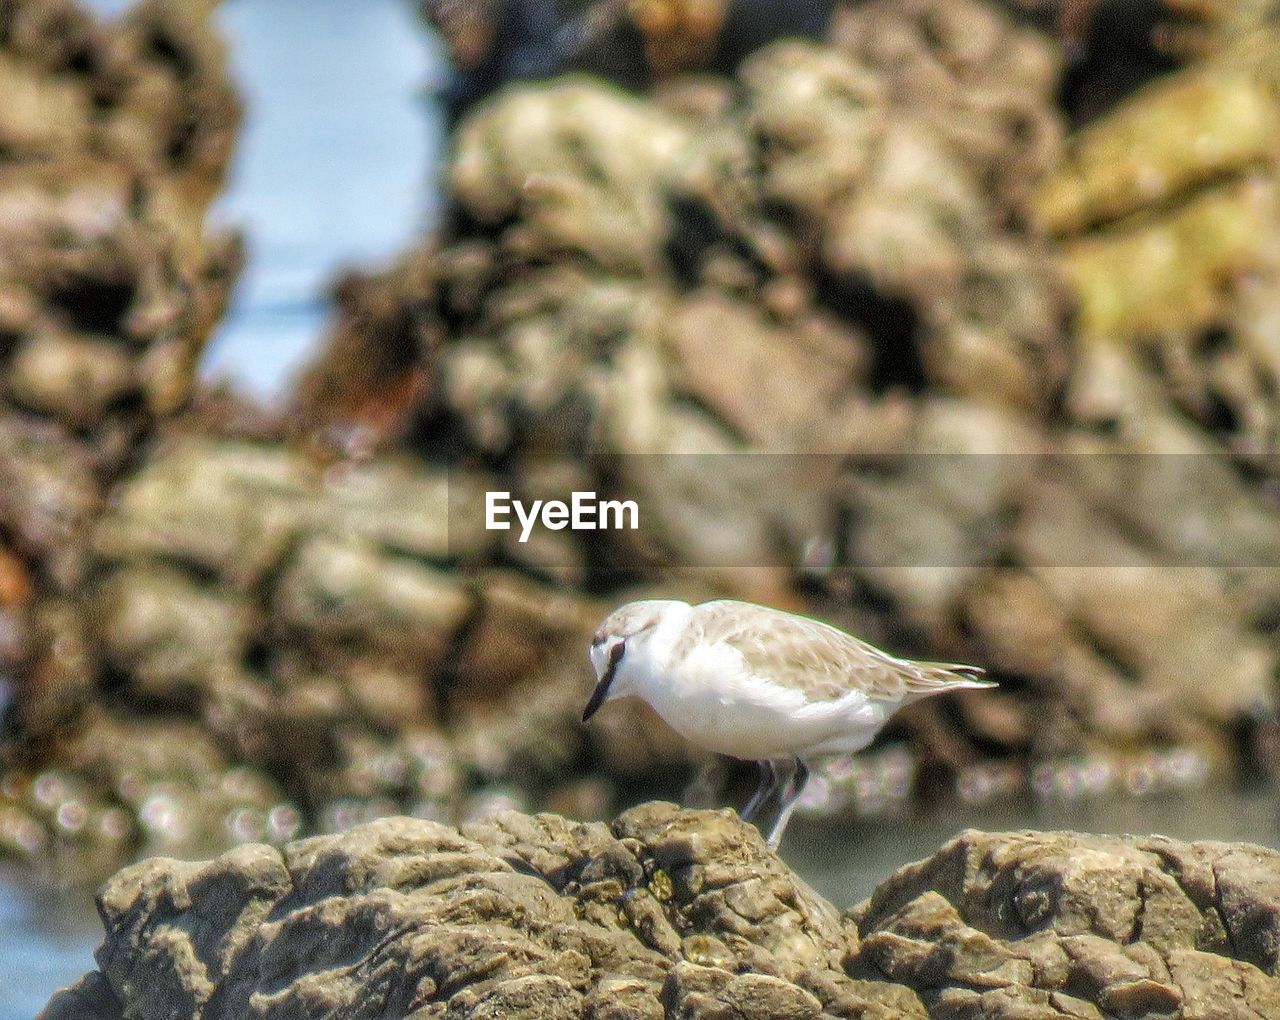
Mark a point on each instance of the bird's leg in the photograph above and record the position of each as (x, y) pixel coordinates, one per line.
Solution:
(768, 783)
(790, 795)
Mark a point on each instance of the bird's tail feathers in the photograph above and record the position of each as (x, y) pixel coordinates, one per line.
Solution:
(951, 675)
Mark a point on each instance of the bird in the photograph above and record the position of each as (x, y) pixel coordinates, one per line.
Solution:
(760, 684)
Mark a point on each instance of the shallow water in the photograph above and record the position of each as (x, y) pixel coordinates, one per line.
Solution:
(46, 943)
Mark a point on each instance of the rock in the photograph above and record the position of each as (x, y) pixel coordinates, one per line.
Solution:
(112, 297)
(346, 591)
(1129, 184)
(148, 89)
(670, 913)
(1124, 923)
(76, 381)
(578, 168)
(778, 374)
(89, 999)
(514, 634)
(334, 643)
(116, 137)
(118, 787)
(496, 42)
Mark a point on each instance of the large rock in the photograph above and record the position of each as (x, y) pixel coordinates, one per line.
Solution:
(115, 138)
(678, 914)
(327, 645)
(494, 42)
(1170, 246)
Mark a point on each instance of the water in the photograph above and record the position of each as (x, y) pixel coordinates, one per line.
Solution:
(46, 943)
(333, 170)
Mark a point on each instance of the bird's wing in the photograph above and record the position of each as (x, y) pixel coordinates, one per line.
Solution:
(824, 662)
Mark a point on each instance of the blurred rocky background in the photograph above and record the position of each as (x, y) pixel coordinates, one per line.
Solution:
(988, 289)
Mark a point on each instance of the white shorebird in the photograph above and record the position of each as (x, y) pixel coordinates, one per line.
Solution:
(760, 685)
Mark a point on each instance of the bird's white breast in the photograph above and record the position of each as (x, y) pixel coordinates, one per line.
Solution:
(711, 699)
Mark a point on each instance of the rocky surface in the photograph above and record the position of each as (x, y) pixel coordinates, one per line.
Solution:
(269, 647)
(1116, 46)
(674, 914)
(114, 138)
(494, 42)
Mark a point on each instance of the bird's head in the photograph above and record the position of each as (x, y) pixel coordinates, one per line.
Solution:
(614, 644)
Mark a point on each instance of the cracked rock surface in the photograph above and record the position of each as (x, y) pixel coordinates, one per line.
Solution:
(666, 913)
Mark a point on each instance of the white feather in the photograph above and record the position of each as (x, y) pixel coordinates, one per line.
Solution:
(708, 692)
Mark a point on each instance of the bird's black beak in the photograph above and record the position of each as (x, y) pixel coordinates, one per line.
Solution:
(602, 688)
